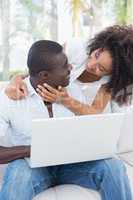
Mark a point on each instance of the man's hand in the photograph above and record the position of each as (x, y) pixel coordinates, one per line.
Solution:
(8, 154)
(17, 89)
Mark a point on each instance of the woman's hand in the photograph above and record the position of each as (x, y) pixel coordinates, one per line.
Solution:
(17, 89)
(50, 94)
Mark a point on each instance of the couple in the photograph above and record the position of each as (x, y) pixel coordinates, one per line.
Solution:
(109, 54)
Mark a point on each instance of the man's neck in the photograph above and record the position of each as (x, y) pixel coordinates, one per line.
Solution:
(35, 82)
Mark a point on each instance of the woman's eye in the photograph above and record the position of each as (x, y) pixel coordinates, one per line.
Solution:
(101, 69)
(97, 54)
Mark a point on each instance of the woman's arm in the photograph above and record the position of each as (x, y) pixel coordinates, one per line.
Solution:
(97, 106)
(61, 96)
(8, 154)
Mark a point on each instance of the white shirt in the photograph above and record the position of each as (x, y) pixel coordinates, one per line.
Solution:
(16, 116)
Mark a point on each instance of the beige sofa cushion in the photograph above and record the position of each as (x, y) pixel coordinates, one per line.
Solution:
(68, 192)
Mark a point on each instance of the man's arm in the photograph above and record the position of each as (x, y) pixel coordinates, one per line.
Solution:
(8, 154)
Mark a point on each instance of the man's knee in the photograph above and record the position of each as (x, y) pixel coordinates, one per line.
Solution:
(111, 168)
(114, 166)
(20, 177)
(18, 172)
(17, 180)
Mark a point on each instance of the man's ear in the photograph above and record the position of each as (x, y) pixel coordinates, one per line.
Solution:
(43, 75)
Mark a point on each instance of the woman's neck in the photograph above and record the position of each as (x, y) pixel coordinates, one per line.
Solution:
(86, 77)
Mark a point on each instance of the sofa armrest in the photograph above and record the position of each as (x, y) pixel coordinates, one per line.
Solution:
(127, 158)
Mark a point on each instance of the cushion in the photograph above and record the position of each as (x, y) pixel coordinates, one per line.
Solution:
(127, 157)
(68, 192)
(125, 143)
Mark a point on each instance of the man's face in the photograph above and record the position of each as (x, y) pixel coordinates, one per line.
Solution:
(99, 63)
(60, 74)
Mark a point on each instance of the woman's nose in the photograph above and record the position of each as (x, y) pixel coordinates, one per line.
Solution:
(91, 66)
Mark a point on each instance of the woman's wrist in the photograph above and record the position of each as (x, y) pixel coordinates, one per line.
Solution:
(67, 101)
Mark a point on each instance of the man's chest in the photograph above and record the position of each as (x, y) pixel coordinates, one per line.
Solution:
(22, 113)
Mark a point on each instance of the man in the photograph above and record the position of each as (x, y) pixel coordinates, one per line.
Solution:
(48, 64)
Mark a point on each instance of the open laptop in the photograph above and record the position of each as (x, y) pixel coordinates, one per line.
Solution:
(75, 139)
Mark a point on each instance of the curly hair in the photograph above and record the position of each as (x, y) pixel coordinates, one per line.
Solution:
(118, 40)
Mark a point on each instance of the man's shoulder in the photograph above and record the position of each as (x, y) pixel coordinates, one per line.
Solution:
(3, 97)
(5, 104)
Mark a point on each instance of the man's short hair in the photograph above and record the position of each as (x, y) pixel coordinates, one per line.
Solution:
(41, 56)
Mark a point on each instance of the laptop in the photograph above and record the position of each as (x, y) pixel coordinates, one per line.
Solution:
(75, 139)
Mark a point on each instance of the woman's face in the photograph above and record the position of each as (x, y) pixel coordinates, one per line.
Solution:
(99, 63)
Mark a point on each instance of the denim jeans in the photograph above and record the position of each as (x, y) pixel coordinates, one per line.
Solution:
(105, 176)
